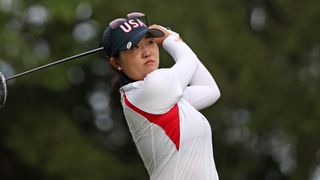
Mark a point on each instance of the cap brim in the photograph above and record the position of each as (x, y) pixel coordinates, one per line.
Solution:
(156, 33)
(136, 38)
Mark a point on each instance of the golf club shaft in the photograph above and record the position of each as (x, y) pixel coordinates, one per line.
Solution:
(55, 63)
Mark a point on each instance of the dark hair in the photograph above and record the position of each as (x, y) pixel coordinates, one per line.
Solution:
(115, 78)
(116, 55)
(119, 78)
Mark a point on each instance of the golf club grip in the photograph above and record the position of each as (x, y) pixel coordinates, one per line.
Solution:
(55, 63)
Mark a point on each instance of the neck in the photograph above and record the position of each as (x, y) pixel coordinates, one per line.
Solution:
(124, 79)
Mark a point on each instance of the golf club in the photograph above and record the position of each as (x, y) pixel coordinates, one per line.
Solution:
(3, 80)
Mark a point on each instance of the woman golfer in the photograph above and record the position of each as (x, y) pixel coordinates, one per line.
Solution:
(161, 105)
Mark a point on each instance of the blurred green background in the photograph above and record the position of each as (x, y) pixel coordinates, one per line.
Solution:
(65, 123)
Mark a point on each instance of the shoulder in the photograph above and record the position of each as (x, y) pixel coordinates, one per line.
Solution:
(162, 83)
(160, 78)
(158, 92)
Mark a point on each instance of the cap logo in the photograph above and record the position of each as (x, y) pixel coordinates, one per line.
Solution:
(132, 23)
(129, 44)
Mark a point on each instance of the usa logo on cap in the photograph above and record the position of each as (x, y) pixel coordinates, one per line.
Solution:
(130, 24)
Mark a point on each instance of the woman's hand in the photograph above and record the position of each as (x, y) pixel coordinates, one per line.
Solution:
(166, 32)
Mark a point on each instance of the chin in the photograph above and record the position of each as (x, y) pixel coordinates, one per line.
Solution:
(152, 69)
(149, 71)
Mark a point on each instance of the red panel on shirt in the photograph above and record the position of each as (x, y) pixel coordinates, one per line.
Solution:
(168, 121)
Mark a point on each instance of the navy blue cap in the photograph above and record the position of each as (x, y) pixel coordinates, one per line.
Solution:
(126, 35)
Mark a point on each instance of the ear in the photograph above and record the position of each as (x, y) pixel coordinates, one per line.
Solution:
(114, 62)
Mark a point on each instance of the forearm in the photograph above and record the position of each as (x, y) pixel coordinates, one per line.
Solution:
(186, 61)
(200, 89)
(203, 90)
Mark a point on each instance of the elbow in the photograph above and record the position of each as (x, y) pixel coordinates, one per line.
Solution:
(209, 100)
(208, 97)
(216, 94)
(215, 90)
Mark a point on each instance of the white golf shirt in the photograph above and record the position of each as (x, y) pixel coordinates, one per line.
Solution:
(173, 138)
